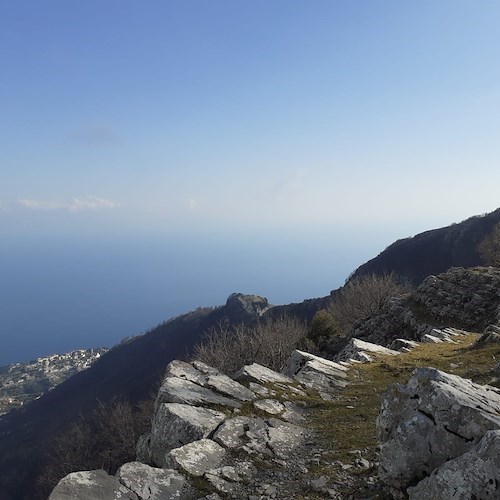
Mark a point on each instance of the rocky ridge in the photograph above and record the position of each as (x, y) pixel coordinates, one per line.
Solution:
(466, 298)
(23, 382)
(247, 436)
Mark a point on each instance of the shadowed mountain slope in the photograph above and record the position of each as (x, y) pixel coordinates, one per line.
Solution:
(130, 371)
(433, 252)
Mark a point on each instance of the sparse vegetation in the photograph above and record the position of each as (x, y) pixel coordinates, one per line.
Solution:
(105, 440)
(362, 297)
(268, 343)
(348, 423)
(489, 247)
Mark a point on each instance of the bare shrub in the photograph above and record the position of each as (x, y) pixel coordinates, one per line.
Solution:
(104, 440)
(489, 247)
(268, 343)
(363, 297)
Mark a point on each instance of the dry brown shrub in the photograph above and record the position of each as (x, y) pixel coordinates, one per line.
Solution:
(268, 343)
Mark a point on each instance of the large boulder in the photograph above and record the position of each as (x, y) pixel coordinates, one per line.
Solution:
(430, 420)
(197, 457)
(475, 474)
(176, 424)
(150, 483)
(179, 390)
(199, 384)
(91, 485)
(244, 308)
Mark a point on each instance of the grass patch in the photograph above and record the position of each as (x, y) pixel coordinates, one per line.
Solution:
(348, 423)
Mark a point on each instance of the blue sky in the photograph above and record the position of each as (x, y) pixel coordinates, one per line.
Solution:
(262, 114)
(158, 155)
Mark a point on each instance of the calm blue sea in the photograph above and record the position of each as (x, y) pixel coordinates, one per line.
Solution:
(68, 292)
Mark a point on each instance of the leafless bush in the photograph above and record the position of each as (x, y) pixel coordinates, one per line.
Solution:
(268, 343)
(104, 440)
(489, 247)
(363, 297)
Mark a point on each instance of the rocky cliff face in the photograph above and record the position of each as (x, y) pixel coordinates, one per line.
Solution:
(250, 436)
(464, 298)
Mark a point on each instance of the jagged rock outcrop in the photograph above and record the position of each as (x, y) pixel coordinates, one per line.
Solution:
(243, 307)
(434, 418)
(464, 297)
(197, 430)
(359, 350)
(475, 474)
(175, 425)
(439, 434)
(467, 297)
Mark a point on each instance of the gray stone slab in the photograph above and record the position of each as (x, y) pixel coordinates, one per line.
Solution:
(150, 483)
(91, 485)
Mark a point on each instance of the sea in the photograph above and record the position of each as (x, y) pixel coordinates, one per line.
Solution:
(70, 291)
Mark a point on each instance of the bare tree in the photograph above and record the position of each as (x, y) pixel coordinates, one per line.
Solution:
(489, 247)
(363, 297)
(268, 343)
(103, 440)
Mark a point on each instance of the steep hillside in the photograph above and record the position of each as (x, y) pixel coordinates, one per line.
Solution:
(433, 252)
(319, 429)
(133, 369)
(130, 371)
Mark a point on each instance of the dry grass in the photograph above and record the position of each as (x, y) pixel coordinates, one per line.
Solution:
(348, 423)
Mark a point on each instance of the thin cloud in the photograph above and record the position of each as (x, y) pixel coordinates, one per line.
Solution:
(96, 135)
(91, 203)
(192, 204)
(76, 204)
(41, 205)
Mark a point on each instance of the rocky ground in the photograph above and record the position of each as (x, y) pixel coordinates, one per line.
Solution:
(322, 429)
(23, 382)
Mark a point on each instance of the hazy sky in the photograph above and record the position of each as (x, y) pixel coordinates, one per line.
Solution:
(263, 114)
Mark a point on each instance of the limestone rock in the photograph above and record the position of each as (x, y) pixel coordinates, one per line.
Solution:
(315, 372)
(220, 484)
(271, 437)
(91, 485)
(226, 385)
(178, 390)
(197, 457)
(298, 359)
(475, 474)
(261, 375)
(313, 379)
(258, 389)
(181, 369)
(283, 437)
(176, 424)
(403, 345)
(293, 413)
(360, 350)
(150, 483)
(231, 432)
(271, 406)
(244, 308)
(432, 419)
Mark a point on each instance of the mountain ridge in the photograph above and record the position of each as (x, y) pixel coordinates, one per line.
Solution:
(133, 369)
